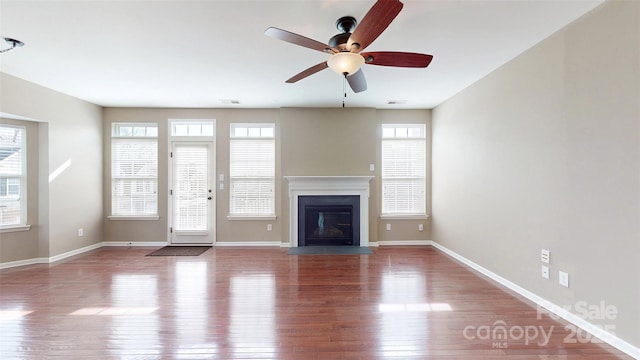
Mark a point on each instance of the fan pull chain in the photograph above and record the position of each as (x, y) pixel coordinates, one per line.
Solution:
(344, 88)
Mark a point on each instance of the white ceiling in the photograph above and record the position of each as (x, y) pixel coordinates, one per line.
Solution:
(203, 53)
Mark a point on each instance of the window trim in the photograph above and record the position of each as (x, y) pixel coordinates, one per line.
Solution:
(408, 137)
(14, 228)
(126, 217)
(252, 217)
(115, 135)
(23, 194)
(268, 136)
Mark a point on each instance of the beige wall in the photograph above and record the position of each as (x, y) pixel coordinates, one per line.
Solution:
(328, 142)
(545, 153)
(308, 142)
(156, 231)
(73, 135)
(69, 132)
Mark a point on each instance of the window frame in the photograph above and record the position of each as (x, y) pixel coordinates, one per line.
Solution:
(400, 133)
(260, 132)
(22, 196)
(119, 137)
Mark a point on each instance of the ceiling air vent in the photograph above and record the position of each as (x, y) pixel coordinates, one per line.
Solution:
(396, 102)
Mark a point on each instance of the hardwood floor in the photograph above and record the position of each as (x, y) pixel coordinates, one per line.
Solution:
(260, 303)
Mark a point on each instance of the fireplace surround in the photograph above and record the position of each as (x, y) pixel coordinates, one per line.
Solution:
(304, 186)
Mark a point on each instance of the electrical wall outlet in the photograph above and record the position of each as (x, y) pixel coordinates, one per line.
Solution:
(81, 232)
(372, 167)
(545, 256)
(563, 278)
(388, 227)
(545, 272)
(420, 227)
(269, 227)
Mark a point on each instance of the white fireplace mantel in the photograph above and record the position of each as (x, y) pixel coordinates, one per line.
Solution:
(328, 185)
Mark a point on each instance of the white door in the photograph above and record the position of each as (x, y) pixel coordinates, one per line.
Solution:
(192, 202)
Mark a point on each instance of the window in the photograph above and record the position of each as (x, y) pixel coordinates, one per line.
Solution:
(403, 170)
(252, 170)
(12, 175)
(134, 169)
(192, 128)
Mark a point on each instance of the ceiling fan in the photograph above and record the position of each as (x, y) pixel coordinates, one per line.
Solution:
(345, 48)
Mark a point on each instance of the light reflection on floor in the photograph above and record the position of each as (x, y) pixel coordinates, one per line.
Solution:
(191, 314)
(12, 330)
(135, 336)
(252, 328)
(402, 290)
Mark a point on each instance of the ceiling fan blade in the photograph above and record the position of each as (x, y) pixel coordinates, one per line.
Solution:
(357, 81)
(310, 71)
(398, 59)
(296, 39)
(373, 24)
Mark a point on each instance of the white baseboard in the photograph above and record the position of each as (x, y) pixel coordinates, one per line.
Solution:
(162, 243)
(594, 330)
(34, 261)
(248, 243)
(74, 252)
(134, 243)
(51, 259)
(404, 243)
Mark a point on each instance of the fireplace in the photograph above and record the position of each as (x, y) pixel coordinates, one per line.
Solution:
(329, 220)
(355, 188)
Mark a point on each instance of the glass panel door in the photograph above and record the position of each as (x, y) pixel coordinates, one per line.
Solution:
(192, 196)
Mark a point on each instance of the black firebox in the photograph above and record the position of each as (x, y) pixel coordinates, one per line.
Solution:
(329, 220)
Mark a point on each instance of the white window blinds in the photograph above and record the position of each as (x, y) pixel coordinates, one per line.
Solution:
(252, 170)
(403, 170)
(191, 164)
(134, 170)
(12, 175)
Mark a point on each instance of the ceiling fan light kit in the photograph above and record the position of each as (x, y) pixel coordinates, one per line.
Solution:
(345, 63)
(344, 48)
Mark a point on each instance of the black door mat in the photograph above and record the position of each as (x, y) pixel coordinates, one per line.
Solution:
(180, 251)
(329, 250)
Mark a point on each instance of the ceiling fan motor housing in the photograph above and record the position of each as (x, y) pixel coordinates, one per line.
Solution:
(339, 41)
(346, 24)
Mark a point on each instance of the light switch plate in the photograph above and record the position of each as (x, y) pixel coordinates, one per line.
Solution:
(563, 278)
(545, 256)
(545, 272)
